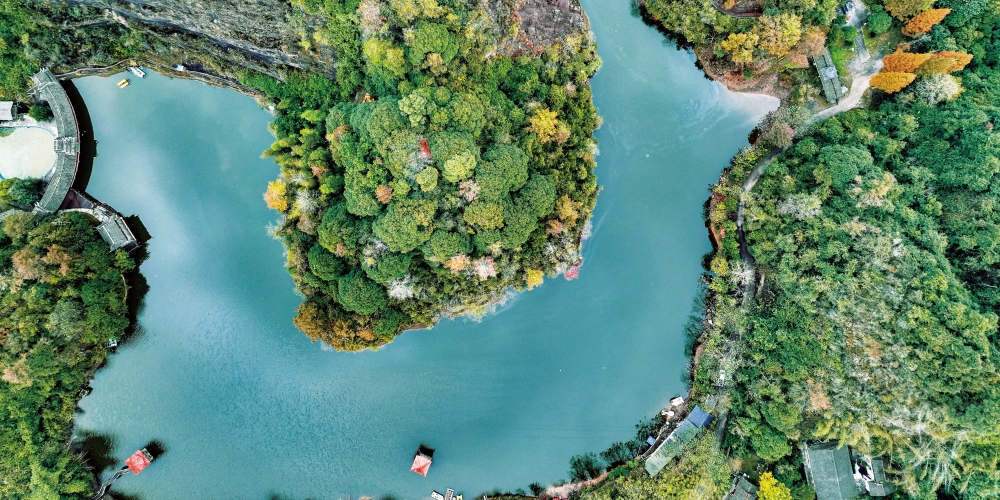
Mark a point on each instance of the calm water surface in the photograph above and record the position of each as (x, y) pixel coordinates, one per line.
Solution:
(248, 408)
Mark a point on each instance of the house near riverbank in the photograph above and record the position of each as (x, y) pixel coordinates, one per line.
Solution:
(675, 442)
(112, 227)
(58, 196)
(838, 474)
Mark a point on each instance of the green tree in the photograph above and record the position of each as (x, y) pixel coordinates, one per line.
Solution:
(459, 167)
(539, 195)
(844, 163)
(428, 179)
(40, 113)
(360, 294)
(389, 267)
(444, 244)
(432, 37)
(338, 228)
(484, 215)
(879, 22)
(325, 264)
(406, 224)
(505, 170)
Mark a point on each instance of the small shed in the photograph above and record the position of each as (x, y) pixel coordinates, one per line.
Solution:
(139, 461)
(829, 471)
(699, 417)
(872, 471)
(6, 110)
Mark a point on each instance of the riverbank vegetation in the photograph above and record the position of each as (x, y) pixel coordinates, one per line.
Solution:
(62, 296)
(434, 176)
(755, 39)
(868, 313)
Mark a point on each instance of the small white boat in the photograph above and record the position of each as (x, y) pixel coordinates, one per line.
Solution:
(137, 71)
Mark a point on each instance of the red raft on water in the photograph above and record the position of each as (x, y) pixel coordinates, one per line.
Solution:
(139, 461)
(422, 460)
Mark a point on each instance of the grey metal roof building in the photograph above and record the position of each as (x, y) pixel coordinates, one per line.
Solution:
(112, 228)
(829, 77)
(829, 471)
(67, 142)
(675, 442)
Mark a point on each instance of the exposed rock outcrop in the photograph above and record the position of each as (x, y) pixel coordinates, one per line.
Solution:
(269, 33)
(264, 29)
(544, 22)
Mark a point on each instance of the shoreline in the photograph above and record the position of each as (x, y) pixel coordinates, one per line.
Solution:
(170, 72)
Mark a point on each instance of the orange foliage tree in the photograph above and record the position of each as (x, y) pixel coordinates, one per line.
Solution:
(924, 21)
(892, 81)
(903, 62)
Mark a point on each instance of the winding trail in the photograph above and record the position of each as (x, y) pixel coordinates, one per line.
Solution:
(863, 65)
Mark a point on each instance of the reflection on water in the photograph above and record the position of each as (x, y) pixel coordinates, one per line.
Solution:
(249, 408)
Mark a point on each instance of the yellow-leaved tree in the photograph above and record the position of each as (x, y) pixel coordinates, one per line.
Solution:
(533, 278)
(275, 195)
(959, 60)
(740, 46)
(779, 33)
(544, 124)
(772, 489)
(944, 62)
(892, 81)
(905, 9)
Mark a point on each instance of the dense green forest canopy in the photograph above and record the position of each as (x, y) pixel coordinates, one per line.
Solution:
(62, 296)
(879, 238)
(434, 175)
(876, 239)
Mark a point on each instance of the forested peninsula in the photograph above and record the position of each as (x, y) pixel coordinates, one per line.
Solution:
(434, 175)
(852, 295)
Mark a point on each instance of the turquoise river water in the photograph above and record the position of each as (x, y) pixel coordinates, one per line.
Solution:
(248, 408)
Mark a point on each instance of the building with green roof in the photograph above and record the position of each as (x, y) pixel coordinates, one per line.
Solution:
(829, 471)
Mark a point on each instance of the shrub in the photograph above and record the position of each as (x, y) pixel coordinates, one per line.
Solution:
(40, 113)
(879, 22)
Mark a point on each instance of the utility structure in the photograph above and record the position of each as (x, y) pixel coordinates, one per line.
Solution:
(59, 195)
(135, 463)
